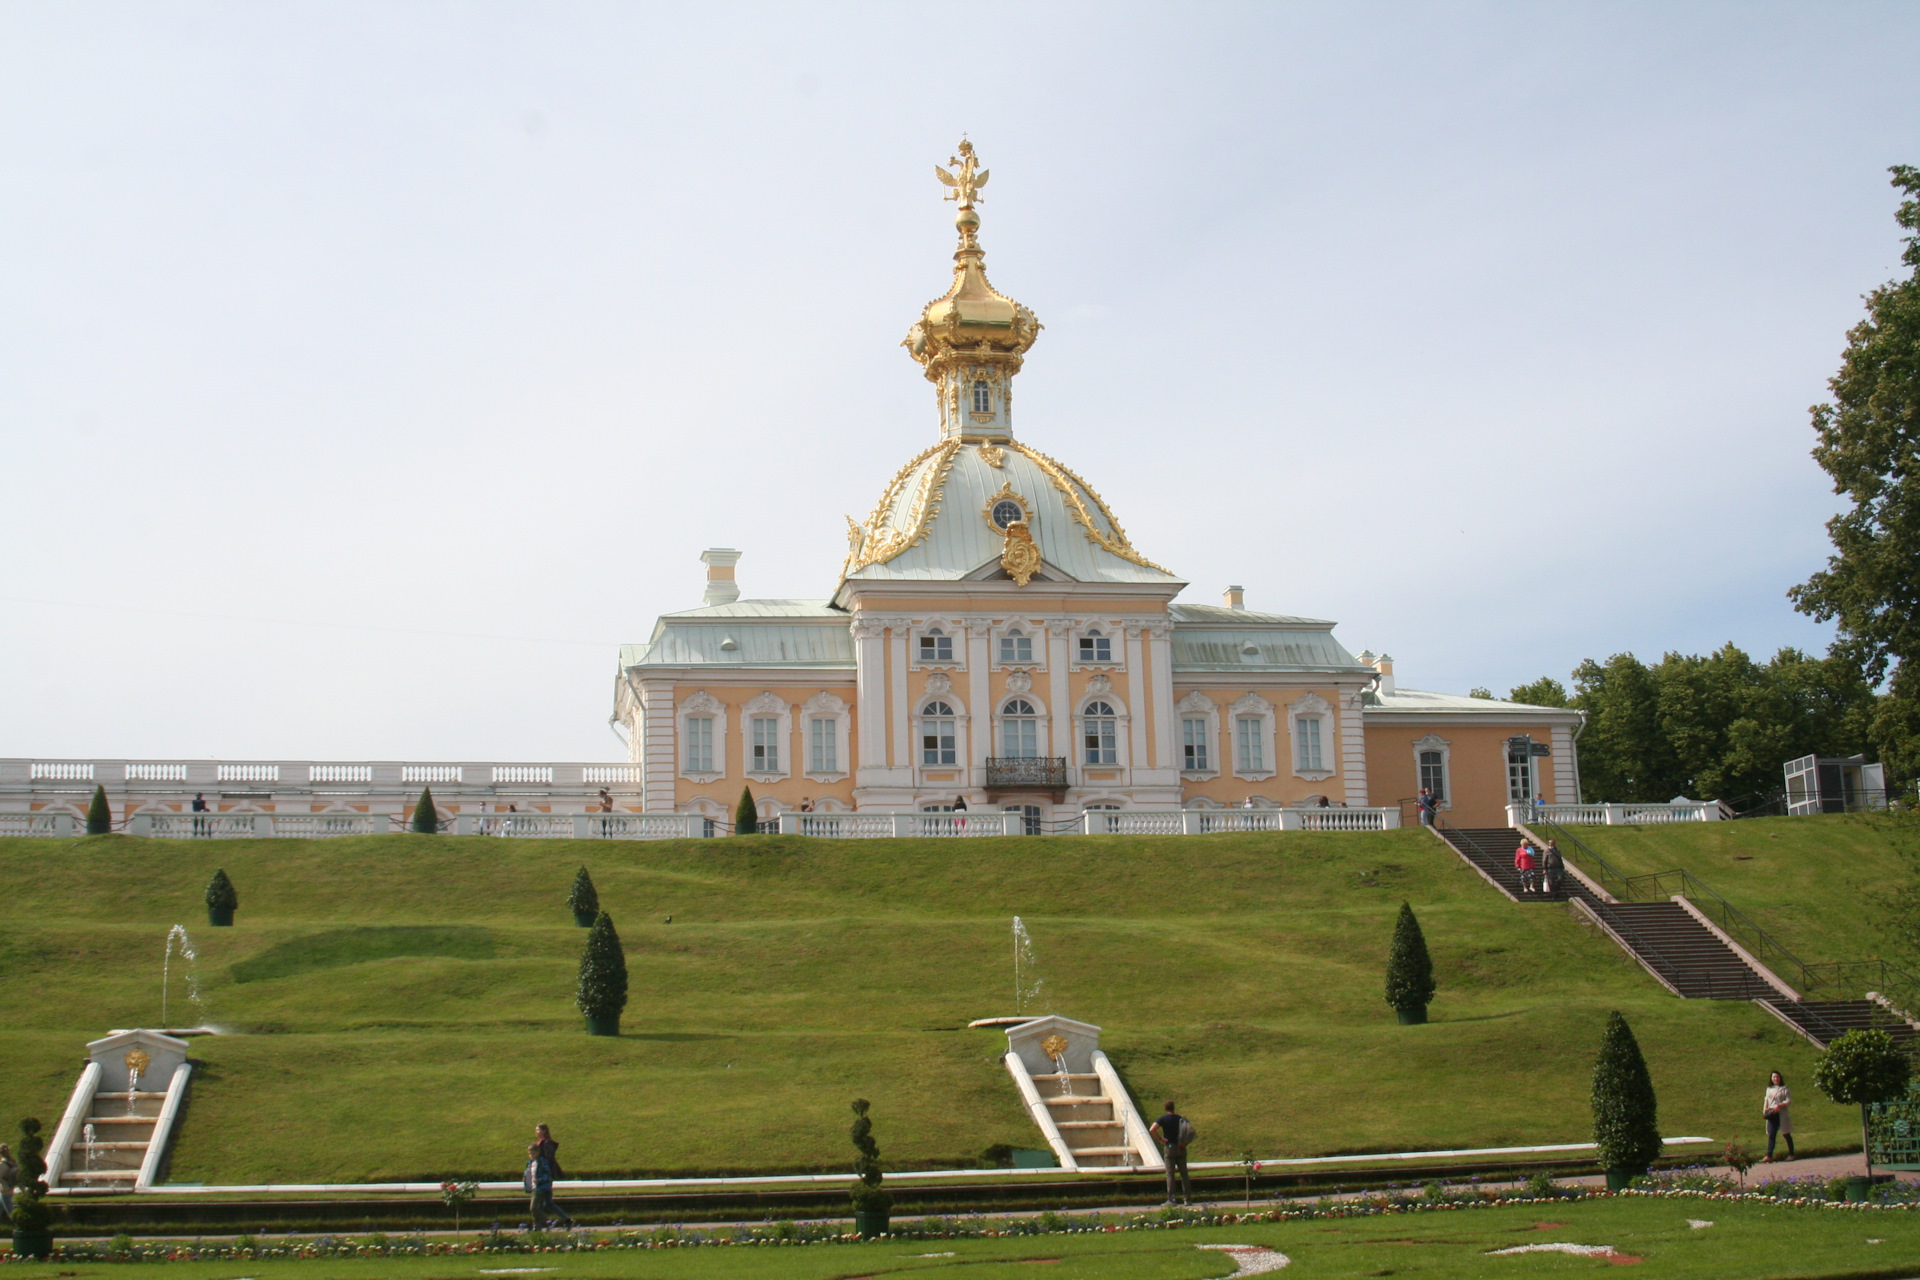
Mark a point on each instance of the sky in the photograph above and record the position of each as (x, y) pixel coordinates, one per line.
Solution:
(369, 372)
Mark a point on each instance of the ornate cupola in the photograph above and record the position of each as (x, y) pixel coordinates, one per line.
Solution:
(971, 340)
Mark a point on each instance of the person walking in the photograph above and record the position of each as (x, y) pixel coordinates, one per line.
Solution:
(1176, 1134)
(1524, 864)
(1553, 868)
(9, 1179)
(1777, 1107)
(543, 1170)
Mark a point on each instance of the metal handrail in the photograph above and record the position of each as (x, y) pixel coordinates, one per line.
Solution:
(1846, 975)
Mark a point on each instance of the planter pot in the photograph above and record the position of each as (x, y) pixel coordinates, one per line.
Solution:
(220, 915)
(1617, 1179)
(1859, 1188)
(32, 1244)
(584, 919)
(870, 1222)
(1412, 1017)
(603, 1026)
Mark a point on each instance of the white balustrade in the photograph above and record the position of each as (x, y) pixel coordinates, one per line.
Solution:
(541, 773)
(1616, 815)
(156, 773)
(339, 773)
(248, 773)
(201, 826)
(322, 826)
(601, 774)
(60, 771)
(37, 824)
(430, 773)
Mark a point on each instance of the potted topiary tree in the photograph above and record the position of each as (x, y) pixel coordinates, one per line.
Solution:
(583, 900)
(871, 1205)
(32, 1219)
(99, 814)
(603, 979)
(745, 817)
(426, 819)
(1409, 970)
(1861, 1068)
(1626, 1124)
(222, 899)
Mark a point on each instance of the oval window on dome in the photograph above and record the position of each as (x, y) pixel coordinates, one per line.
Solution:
(1006, 511)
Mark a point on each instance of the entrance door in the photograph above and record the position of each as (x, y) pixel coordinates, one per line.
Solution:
(1522, 785)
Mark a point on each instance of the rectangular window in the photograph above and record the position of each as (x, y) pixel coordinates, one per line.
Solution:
(699, 744)
(1196, 756)
(1520, 777)
(936, 647)
(1020, 738)
(766, 745)
(1016, 648)
(1433, 775)
(1306, 730)
(936, 742)
(1096, 648)
(1253, 756)
(1099, 734)
(824, 745)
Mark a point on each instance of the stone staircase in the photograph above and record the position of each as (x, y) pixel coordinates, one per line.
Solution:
(1087, 1120)
(121, 1125)
(1674, 945)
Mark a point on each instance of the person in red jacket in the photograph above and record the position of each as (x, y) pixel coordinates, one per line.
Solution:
(1523, 863)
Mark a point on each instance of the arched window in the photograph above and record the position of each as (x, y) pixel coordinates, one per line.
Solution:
(982, 398)
(1016, 646)
(936, 646)
(936, 734)
(1096, 647)
(1019, 730)
(1096, 730)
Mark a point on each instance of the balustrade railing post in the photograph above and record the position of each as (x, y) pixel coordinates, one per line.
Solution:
(63, 824)
(142, 824)
(902, 825)
(789, 823)
(1290, 820)
(263, 824)
(462, 824)
(1189, 822)
(583, 826)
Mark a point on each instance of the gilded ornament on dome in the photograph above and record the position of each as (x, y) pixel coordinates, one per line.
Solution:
(993, 455)
(1005, 507)
(1020, 557)
(965, 187)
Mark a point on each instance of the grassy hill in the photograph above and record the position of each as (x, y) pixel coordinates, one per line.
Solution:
(401, 1006)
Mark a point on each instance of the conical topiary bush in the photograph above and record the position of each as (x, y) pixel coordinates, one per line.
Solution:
(583, 899)
(1626, 1121)
(426, 819)
(222, 899)
(1410, 983)
(745, 817)
(99, 814)
(602, 993)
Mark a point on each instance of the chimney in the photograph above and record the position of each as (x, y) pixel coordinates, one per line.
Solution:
(721, 588)
(1236, 597)
(1384, 665)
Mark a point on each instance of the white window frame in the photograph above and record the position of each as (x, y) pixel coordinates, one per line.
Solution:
(1251, 706)
(1039, 718)
(702, 705)
(1036, 634)
(1312, 707)
(1081, 732)
(981, 396)
(1116, 647)
(952, 631)
(767, 706)
(1533, 775)
(926, 715)
(827, 707)
(1013, 632)
(1434, 742)
(1198, 706)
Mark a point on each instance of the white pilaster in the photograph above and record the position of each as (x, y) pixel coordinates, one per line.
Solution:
(980, 713)
(659, 746)
(1136, 700)
(1160, 655)
(901, 755)
(870, 701)
(1059, 712)
(1353, 749)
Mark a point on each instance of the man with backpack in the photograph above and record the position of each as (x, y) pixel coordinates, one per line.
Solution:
(1176, 1134)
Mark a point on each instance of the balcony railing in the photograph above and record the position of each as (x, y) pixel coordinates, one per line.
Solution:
(1026, 773)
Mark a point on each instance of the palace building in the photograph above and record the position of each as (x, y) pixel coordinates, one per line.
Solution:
(995, 635)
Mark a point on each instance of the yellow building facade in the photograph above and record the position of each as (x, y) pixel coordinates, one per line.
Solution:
(995, 638)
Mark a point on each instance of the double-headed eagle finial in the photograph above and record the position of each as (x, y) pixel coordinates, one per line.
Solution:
(965, 188)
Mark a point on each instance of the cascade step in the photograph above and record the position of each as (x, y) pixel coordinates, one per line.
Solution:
(1075, 1100)
(1064, 1125)
(1824, 1021)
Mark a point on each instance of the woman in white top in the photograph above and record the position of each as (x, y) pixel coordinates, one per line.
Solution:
(1777, 1108)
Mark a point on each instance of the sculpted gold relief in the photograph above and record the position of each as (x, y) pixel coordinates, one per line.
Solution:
(1065, 481)
(881, 540)
(1020, 558)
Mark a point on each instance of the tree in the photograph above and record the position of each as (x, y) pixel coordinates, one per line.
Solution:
(1861, 1068)
(99, 814)
(426, 819)
(1410, 983)
(745, 816)
(1869, 442)
(222, 899)
(867, 1196)
(1544, 692)
(602, 993)
(583, 899)
(31, 1216)
(1626, 1124)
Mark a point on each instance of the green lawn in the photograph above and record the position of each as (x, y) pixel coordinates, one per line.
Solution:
(1740, 1242)
(402, 1005)
(1810, 882)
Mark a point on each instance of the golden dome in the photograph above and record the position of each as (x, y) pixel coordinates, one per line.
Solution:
(972, 324)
